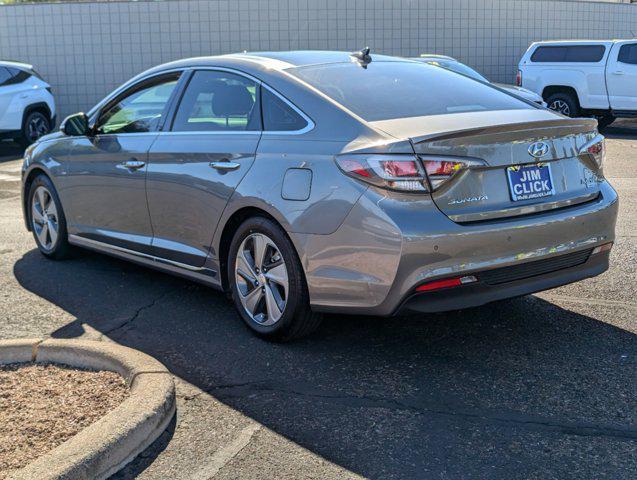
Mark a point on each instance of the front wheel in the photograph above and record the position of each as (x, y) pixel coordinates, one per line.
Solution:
(48, 222)
(267, 282)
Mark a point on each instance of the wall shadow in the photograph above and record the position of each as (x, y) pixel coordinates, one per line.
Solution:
(516, 389)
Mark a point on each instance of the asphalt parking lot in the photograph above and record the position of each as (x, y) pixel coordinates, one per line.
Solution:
(539, 387)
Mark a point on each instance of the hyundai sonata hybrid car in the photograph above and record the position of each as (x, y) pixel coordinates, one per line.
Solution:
(310, 182)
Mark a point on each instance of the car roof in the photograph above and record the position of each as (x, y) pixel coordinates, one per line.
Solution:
(264, 61)
(579, 42)
(303, 58)
(19, 65)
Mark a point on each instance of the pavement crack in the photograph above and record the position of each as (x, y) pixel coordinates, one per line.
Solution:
(129, 321)
(476, 415)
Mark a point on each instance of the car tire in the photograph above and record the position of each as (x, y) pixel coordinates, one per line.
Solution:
(267, 282)
(605, 121)
(564, 103)
(47, 220)
(35, 125)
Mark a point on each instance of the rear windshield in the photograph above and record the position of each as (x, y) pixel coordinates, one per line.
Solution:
(388, 90)
(573, 53)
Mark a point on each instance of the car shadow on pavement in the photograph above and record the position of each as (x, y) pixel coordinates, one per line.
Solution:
(516, 389)
(10, 151)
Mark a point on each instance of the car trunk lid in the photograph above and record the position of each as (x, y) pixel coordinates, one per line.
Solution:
(495, 141)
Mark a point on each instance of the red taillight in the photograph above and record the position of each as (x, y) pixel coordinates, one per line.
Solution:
(518, 78)
(353, 166)
(440, 171)
(597, 150)
(446, 283)
(403, 172)
(394, 172)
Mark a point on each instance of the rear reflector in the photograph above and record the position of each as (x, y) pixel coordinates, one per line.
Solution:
(602, 248)
(446, 283)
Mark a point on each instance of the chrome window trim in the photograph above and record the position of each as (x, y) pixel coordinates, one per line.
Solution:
(213, 132)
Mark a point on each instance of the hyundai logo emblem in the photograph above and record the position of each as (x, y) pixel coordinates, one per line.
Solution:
(538, 149)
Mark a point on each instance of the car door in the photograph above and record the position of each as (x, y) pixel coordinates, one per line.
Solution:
(105, 196)
(622, 76)
(10, 118)
(198, 161)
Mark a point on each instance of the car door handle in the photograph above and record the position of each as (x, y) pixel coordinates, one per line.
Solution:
(618, 72)
(133, 164)
(225, 165)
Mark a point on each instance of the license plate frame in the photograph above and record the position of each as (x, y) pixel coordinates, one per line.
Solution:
(534, 181)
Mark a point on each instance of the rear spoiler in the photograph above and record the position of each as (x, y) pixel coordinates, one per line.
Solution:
(571, 125)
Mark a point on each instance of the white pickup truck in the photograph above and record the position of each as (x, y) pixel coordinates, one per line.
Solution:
(584, 77)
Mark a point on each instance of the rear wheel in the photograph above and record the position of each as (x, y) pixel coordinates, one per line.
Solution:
(564, 103)
(48, 222)
(267, 282)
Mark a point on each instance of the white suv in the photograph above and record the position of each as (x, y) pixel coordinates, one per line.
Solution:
(584, 77)
(27, 108)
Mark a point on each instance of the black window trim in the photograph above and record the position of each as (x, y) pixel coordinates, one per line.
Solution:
(127, 90)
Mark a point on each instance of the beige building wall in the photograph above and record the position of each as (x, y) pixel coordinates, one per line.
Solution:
(86, 49)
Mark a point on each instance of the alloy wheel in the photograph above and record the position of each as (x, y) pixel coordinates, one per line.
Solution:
(37, 126)
(44, 218)
(261, 278)
(561, 107)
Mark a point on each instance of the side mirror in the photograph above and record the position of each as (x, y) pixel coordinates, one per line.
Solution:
(75, 125)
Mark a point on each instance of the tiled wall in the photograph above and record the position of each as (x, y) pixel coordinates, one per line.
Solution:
(85, 50)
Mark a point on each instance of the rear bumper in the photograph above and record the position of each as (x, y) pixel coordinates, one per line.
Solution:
(389, 244)
(481, 293)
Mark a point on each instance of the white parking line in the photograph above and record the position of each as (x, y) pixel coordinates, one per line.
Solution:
(224, 455)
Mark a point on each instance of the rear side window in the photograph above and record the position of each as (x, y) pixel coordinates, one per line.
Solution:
(18, 76)
(628, 53)
(388, 90)
(5, 76)
(278, 116)
(218, 101)
(570, 53)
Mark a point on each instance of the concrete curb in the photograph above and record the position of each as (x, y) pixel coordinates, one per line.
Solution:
(104, 447)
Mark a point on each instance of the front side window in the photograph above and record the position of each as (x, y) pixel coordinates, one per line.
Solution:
(628, 53)
(218, 101)
(388, 90)
(569, 54)
(278, 116)
(139, 112)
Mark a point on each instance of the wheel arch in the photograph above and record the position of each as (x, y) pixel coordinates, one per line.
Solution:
(36, 107)
(227, 233)
(553, 89)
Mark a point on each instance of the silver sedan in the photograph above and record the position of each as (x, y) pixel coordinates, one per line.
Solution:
(310, 182)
